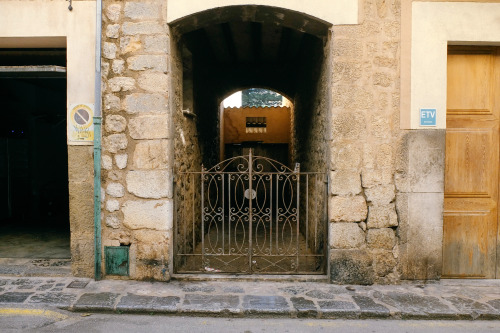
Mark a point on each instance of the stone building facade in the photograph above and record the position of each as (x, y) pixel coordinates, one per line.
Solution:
(364, 74)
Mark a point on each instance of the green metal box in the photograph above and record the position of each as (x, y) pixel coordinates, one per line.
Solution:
(117, 260)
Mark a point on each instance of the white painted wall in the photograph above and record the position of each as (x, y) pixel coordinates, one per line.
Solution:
(435, 25)
(332, 11)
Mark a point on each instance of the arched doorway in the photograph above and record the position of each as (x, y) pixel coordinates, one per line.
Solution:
(215, 54)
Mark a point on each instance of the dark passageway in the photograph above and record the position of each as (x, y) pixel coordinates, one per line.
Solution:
(34, 211)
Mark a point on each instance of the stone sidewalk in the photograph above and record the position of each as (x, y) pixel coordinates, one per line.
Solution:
(447, 299)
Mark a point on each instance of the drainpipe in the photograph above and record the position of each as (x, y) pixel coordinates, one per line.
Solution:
(97, 146)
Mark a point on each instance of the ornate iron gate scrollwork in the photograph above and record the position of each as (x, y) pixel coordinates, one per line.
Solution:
(250, 214)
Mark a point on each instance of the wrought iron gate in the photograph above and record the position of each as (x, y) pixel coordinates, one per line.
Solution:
(250, 214)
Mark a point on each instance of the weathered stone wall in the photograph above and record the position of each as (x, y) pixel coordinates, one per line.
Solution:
(366, 136)
(137, 135)
(187, 158)
(310, 138)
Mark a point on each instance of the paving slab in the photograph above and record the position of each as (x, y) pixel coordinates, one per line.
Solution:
(276, 305)
(140, 303)
(96, 301)
(197, 303)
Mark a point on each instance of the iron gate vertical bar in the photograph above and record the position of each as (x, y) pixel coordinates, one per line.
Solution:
(229, 211)
(271, 214)
(316, 222)
(277, 214)
(202, 216)
(250, 192)
(297, 169)
(223, 222)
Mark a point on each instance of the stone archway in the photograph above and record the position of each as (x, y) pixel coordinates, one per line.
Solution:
(218, 51)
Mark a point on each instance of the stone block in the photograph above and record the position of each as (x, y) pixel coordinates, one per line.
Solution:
(109, 50)
(156, 44)
(113, 12)
(112, 221)
(81, 208)
(106, 162)
(115, 142)
(82, 264)
(378, 156)
(381, 194)
(149, 127)
(346, 236)
(138, 103)
(380, 127)
(153, 184)
(152, 214)
(151, 244)
(142, 28)
(156, 63)
(121, 160)
(346, 156)
(115, 123)
(151, 154)
(384, 262)
(424, 236)
(118, 66)
(351, 267)
(112, 205)
(346, 47)
(112, 30)
(120, 83)
(382, 216)
(348, 97)
(153, 82)
(348, 209)
(80, 164)
(349, 125)
(373, 177)
(385, 62)
(345, 182)
(115, 190)
(426, 161)
(130, 44)
(381, 238)
(111, 102)
(347, 71)
(382, 79)
(142, 10)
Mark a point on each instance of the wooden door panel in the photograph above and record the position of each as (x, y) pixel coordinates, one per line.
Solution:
(469, 86)
(471, 152)
(470, 221)
(466, 235)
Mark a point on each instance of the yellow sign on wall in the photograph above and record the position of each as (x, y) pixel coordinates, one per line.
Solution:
(80, 123)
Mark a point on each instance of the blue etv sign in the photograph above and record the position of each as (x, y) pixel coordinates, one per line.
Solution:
(428, 117)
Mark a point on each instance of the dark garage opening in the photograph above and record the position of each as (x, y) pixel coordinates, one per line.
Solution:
(34, 200)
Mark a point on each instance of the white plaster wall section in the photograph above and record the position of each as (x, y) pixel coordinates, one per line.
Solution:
(332, 11)
(435, 25)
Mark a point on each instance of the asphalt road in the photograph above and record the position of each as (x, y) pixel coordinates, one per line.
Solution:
(53, 320)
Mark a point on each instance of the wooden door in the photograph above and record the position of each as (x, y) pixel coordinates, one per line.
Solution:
(472, 162)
